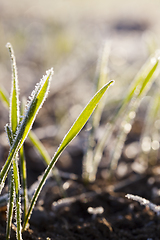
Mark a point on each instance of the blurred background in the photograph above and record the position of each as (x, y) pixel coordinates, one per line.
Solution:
(69, 35)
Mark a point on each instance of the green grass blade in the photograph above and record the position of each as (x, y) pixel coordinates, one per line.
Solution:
(24, 169)
(102, 77)
(11, 195)
(10, 204)
(140, 82)
(4, 96)
(24, 180)
(14, 120)
(135, 91)
(47, 159)
(127, 120)
(40, 148)
(37, 99)
(14, 192)
(14, 96)
(18, 199)
(72, 133)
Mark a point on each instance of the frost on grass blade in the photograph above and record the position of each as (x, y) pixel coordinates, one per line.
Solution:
(155, 208)
(35, 104)
(46, 78)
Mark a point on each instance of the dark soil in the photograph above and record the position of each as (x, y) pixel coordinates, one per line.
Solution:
(71, 217)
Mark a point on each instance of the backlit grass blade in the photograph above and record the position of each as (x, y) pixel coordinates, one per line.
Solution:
(18, 199)
(46, 158)
(40, 148)
(4, 96)
(72, 133)
(14, 192)
(142, 79)
(127, 119)
(24, 170)
(102, 77)
(36, 100)
(14, 120)
(10, 204)
(14, 96)
(24, 180)
(11, 191)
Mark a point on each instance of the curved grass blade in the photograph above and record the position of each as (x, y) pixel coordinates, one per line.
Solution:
(24, 169)
(39, 146)
(42, 151)
(127, 120)
(14, 120)
(14, 96)
(37, 99)
(24, 180)
(101, 81)
(18, 199)
(14, 192)
(4, 96)
(11, 195)
(72, 133)
(142, 79)
(10, 204)
(102, 77)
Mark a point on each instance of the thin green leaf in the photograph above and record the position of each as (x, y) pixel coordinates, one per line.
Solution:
(102, 77)
(127, 120)
(14, 120)
(4, 96)
(14, 96)
(39, 146)
(138, 89)
(46, 158)
(10, 204)
(37, 99)
(14, 192)
(101, 81)
(140, 81)
(24, 180)
(42, 151)
(23, 169)
(11, 191)
(18, 199)
(72, 133)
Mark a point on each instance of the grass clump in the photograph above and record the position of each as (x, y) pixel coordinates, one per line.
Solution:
(18, 130)
(123, 117)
